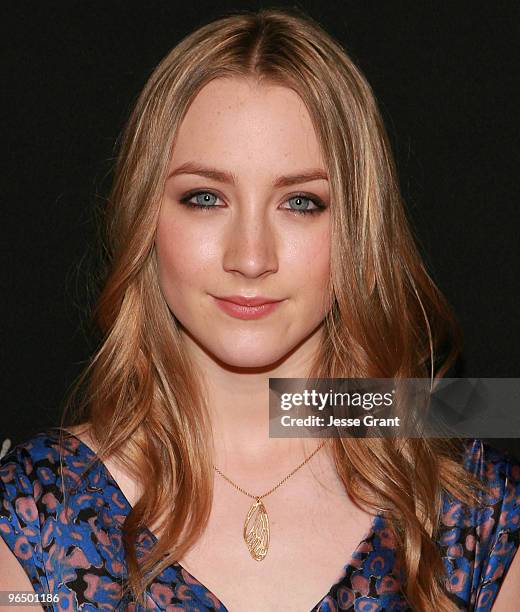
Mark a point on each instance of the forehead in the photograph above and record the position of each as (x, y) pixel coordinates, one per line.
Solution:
(238, 123)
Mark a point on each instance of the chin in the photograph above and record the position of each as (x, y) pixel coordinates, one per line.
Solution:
(263, 353)
(262, 349)
(252, 356)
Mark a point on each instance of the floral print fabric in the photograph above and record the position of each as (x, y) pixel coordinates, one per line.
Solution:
(73, 547)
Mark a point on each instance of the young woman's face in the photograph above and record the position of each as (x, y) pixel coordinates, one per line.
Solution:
(249, 153)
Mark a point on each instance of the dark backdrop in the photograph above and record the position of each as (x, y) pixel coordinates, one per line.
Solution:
(445, 76)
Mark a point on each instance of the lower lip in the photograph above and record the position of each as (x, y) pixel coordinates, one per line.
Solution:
(246, 312)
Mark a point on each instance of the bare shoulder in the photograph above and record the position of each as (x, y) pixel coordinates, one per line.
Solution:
(509, 593)
(13, 576)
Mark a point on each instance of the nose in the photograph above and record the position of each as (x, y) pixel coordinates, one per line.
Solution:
(251, 244)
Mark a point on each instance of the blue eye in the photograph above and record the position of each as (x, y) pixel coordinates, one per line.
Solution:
(203, 199)
(206, 200)
(302, 204)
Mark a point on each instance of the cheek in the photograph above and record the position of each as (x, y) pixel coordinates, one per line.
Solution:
(308, 258)
(311, 263)
(183, 256)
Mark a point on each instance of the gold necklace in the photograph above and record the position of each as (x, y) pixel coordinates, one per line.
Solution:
(256, 525)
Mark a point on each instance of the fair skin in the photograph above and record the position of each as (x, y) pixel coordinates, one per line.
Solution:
(252, 244)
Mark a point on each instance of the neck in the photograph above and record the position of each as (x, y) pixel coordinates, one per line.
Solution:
(238, 403)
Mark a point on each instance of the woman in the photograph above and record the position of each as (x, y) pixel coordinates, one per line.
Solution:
(255, 165)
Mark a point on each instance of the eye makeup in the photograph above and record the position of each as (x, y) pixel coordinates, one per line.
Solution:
(319, 205)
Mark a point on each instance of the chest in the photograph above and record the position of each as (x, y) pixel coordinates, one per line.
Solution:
(314, 529)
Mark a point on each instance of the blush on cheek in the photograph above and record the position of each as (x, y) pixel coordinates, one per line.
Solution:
(317, 256)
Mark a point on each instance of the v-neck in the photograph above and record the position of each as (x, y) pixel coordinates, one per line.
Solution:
(377, 519)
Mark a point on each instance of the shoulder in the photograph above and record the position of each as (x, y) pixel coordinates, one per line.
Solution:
(492, 464)
(36, 477)
(500, 472)
(500, 534)
(42, 473)
(480, 543)
(61, 516)
(25, 472)
(36, 464)
(38, 471)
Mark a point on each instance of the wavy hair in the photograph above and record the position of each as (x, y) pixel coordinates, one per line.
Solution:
(388, 319)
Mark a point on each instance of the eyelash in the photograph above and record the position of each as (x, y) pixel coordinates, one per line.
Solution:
(320, 206)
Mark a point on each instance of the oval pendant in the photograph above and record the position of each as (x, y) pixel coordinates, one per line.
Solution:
(256, 531)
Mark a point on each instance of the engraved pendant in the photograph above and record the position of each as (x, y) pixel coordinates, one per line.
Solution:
(256, 530)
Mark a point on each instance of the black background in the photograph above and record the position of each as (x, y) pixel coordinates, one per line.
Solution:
(446, 79)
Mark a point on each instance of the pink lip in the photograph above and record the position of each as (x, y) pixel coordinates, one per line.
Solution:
(247, 308)
(259, 300)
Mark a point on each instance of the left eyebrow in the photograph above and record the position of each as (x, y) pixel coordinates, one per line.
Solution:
(305, 176)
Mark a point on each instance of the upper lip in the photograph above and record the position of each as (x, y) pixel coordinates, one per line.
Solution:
(248, 301)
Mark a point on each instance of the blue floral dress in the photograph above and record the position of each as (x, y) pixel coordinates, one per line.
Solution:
(75, 550)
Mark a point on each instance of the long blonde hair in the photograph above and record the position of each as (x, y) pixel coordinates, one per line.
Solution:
(388, 319)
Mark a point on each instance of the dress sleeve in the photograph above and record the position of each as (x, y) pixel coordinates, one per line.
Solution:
(503, 539)
(19, 517)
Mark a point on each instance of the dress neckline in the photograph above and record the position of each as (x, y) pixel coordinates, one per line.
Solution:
(375, 525)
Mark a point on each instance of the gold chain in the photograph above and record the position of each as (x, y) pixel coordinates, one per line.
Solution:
(281, 481)
(256, 526)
